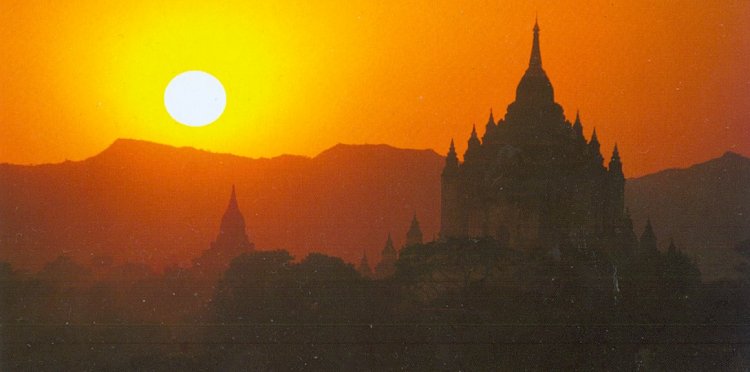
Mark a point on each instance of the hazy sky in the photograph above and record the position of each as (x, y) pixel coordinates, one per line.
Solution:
(669, 81)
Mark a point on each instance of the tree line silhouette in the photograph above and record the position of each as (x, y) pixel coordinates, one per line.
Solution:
(457, 304)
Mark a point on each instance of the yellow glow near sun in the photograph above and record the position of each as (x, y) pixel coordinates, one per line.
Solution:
(243, 53)
(285, 73)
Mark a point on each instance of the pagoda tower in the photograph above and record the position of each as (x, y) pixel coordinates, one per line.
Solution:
(387, 265)
(231, 241)
(533, 181)
(414, 235)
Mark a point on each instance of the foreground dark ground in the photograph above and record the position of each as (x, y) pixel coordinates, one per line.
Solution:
(459, 305)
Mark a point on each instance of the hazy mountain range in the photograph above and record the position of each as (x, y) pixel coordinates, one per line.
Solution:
(162, 205)
(705, 208)
(158, 204)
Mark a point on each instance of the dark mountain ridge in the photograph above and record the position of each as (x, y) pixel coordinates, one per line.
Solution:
(161, 205)
(705, 208)
(157, 204)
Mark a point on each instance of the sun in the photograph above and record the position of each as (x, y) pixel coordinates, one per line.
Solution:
(195, 98)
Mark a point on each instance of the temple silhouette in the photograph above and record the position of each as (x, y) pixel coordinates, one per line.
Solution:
(231, 242)
(414, 235)
(387, 265)
(533, 180)
(389, 255)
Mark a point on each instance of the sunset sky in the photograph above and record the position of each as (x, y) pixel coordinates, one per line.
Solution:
(669, 81)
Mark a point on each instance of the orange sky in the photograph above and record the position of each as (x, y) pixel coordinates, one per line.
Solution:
(669, 81)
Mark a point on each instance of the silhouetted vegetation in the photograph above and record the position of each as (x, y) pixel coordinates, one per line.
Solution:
(461, 304)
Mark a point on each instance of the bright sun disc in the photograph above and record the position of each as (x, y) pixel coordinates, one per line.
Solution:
(195, 98)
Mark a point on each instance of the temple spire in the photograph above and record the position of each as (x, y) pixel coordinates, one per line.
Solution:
(387, 265)
(616, 153)
(472, 151)
(594, 142)
(452, 158)
(489, 128)
(594, 148)
(231, 241)
(389, 251)
(232, 229)
(451, 161)
(535, 87)
(577, 126)
(491, 120)
(536, 55)
(615, 164)
(233, 199)
(414, 235)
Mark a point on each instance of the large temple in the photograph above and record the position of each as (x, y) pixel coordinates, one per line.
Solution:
(533, 180)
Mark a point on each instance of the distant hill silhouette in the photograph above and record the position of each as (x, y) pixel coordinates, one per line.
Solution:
(705, 208)
(157, 204)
